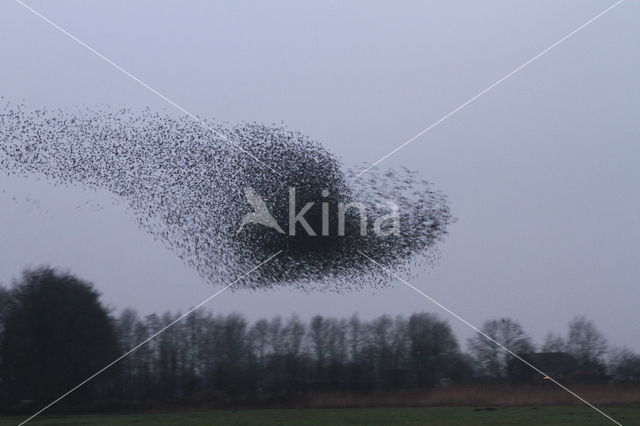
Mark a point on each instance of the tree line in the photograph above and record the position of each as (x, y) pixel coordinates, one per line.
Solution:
(54, 333)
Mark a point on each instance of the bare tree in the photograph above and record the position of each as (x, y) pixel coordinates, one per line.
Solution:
(491, 360)
(258, 336)
(554, 343)
(433, 348)
(625, 366)
(587, 345)
(294, 331)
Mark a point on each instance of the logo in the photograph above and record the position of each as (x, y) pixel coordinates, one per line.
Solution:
(383, 225)
(260, 215)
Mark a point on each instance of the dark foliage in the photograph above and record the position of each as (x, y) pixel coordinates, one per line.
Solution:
(562, 366)
(55, 334)
(222, 360)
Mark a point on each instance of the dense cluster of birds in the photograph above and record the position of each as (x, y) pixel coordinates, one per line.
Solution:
(190, 184)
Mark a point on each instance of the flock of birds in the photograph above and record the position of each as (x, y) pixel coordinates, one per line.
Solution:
(190, 186)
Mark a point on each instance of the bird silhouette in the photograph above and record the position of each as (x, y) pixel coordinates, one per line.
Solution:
(260, 215)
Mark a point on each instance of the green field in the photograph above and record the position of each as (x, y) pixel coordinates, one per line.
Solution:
(458, 416)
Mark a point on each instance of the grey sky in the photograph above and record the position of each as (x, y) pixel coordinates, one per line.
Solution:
(541, 172)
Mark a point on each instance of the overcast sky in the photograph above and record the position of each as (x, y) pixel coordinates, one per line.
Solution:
(542, 172)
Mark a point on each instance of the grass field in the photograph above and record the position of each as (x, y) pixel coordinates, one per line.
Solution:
(446, 416)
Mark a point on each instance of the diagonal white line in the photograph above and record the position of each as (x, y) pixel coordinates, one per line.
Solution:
(162, 330)
(500, 345)
(491, 87)
(145, 85)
